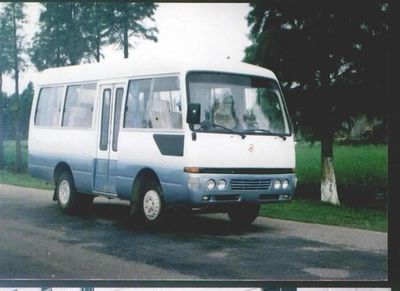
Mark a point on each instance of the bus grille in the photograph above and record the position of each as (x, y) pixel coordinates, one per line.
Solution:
(250, 184)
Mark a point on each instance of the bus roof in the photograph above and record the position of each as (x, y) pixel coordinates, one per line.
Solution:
(139, 67)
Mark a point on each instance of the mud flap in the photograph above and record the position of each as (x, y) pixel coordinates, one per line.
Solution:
(54, 194)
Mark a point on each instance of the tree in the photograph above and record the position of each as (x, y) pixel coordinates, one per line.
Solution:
(72, 31)
(5, 68)
(129, 20)
(331, 58)
(25, 108)
(13, 18)
(95, 26)
(60, 40)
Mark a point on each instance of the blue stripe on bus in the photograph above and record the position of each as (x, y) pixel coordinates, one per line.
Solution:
(121, 175)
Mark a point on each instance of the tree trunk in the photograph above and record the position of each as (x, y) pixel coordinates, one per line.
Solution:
(328, 179)
(72, 17)
(98, 31)
(18, 156)
(126, 43)
(58, 62)
(98, 48)
(1, 124)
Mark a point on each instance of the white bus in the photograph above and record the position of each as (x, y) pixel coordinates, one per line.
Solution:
(163, 134)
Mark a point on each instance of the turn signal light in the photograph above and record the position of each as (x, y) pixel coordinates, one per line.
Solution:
(191, 170)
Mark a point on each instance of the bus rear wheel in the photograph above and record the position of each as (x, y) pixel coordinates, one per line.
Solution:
(68, 199)
(243, 215)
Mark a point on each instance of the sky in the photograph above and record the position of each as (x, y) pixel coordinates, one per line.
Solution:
(205, 30)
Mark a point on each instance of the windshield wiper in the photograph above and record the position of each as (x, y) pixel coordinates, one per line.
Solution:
(266, 131)
(206, 125)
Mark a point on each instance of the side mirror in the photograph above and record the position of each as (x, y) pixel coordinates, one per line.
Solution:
(193, 114)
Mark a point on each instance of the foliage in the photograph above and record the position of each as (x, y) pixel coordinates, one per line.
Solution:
(96, 26)
(5, 47)
(5, 67)
(60, 40)
(13, 42)
(70, 32)
(331, 59)
(9, 112)
(12, 20)
(9, 151)
(129, 20)
(25, 108)
(301, 41)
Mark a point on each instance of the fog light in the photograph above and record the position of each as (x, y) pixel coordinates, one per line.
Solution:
(285, 196)
(285, 184)
(210, 184)
(221, 184)
(205, 198)
(194, 182)
(277, 184)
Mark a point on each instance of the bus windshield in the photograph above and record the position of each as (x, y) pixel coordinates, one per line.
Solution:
(242, 103)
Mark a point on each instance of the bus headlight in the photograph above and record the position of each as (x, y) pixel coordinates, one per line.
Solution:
(210, 184)
(221, 184)
(277, 184)
(285, 184)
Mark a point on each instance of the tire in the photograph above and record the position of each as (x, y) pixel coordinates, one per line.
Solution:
(152, 205)
(66, 194)
(68, 199)
(244, 214)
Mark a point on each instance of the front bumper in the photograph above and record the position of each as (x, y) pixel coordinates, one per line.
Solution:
(241, 188)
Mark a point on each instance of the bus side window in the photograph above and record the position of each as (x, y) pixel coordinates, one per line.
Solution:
(79, 102)
(136, 113)
(105, 119)
(49, 106)
(119, 94)
(165, 110)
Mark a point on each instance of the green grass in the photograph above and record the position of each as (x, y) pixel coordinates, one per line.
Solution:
(354, 165)
(312, 211)
(361, 171)
(8, 176)
(23, 180)
(9, 154)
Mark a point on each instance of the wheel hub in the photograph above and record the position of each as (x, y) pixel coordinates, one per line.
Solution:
(151, 204)
(64, 192)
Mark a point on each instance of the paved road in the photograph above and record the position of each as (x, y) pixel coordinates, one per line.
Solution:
(38, 241)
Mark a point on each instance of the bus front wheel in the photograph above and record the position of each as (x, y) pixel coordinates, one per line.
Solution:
(243, 215)
(152, 202)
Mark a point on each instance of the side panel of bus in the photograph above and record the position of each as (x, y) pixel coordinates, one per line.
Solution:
(62, 133)
(151, 137)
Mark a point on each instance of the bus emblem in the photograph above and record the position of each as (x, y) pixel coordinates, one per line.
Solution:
(251, 148)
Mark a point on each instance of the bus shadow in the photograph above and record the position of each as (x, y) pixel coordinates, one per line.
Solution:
(179, 223)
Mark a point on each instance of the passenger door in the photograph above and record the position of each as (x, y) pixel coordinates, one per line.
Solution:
(107, 145)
